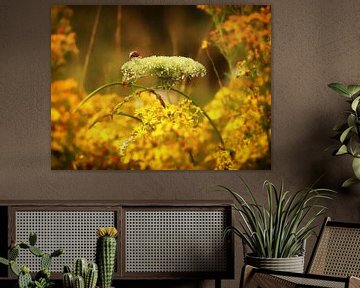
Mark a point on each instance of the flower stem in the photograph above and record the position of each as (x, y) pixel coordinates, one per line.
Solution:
(205, 114)
(88, 97)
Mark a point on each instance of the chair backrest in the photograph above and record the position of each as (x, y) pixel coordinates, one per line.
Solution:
(337, 251)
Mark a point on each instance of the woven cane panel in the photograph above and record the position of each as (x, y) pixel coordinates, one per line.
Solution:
(175, 241)
(74, 231)
(338, 253)
(306, 282)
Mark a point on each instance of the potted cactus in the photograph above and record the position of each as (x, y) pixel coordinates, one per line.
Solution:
(106, 254)
(84, 275)
(42, 278)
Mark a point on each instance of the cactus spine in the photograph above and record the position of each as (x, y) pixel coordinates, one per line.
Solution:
(106, 254)
(80, 267)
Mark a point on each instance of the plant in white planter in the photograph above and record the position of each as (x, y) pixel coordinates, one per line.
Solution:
(349, 132)
(275, 234)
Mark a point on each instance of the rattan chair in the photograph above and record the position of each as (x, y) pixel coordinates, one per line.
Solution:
(334, 263)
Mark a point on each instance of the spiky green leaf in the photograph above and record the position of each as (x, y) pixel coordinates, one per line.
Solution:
(342, 150)
(340, 88)
(356, 167)
(349, 182)
(355, 103)
(345, 134)
(353, 90)
(280, 228)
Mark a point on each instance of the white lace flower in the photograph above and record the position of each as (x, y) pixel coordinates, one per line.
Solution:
(169, 69)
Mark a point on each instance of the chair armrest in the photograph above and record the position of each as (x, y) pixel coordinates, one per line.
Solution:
(255, 277)
(354, 282)
(252, 277)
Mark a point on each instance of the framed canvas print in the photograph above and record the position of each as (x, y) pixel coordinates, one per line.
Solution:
(162, 88)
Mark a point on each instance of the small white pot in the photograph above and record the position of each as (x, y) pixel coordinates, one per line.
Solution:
(291, 264)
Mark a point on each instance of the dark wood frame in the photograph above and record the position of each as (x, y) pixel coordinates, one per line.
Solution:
(119, 208)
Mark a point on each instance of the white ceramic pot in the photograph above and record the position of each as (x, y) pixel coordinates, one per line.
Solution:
(291, 264)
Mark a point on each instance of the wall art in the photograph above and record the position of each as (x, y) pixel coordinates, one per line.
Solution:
(183, 87)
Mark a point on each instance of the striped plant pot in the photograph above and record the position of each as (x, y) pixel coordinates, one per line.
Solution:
(291, 264)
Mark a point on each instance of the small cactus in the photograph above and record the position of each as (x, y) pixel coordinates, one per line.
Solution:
(106, 254)
(67, 269)
(79, 282)
(80, 268)
(84, 274)
(91, 276)
(68, 280)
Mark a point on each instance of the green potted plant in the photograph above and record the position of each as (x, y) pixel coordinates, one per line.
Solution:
(348, 132)
(42, 278)
(275, 233)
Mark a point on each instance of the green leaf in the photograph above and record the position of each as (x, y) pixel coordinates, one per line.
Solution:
(351, 120)
(354, 145)
(4, 261)
(356, 167)
(355, 103)
(353, 89)
(349, 182)
(340, 127)
(342, 150)
(345, 134)
(340, 88)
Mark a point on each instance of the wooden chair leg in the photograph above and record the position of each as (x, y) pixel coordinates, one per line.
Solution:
(246, 273)
(217, 283)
